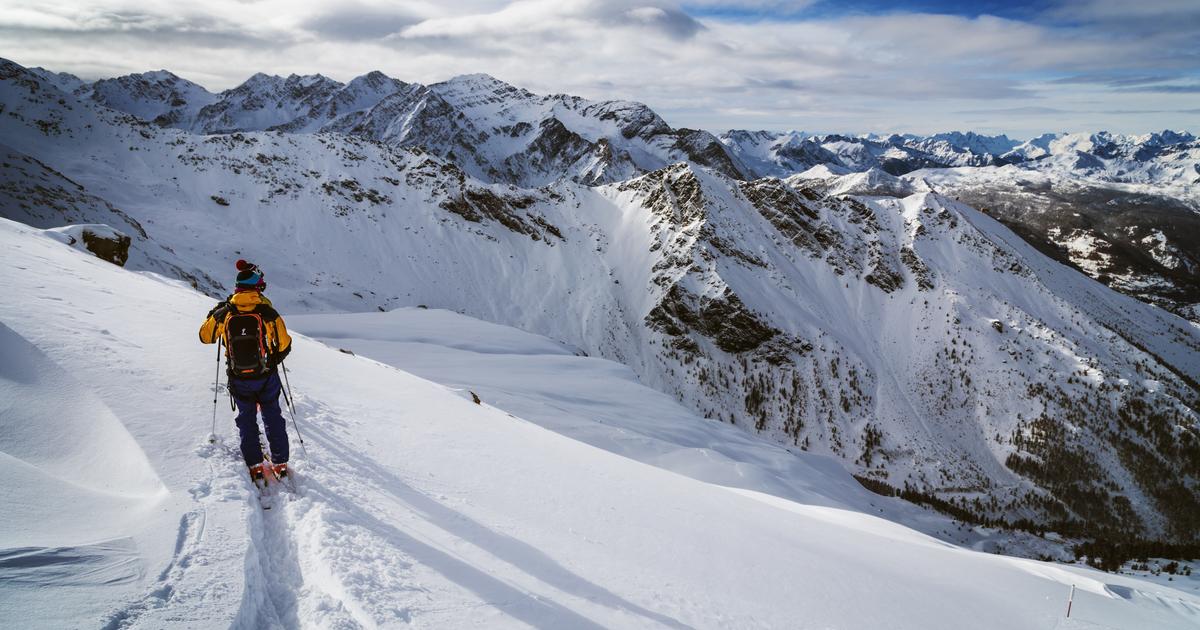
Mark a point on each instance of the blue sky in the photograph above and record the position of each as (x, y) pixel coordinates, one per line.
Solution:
(915, 66)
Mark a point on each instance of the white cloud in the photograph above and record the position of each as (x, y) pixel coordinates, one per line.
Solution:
(904, 72)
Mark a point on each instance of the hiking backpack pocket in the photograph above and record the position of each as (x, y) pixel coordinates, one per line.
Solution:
(246, 345)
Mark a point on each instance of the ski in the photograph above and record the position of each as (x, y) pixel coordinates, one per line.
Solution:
(264, 493)
(287, 480)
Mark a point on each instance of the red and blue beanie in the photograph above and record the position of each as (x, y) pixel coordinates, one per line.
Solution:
(249, 277)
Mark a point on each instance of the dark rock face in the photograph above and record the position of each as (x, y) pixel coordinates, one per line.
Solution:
(704, 149)
(673, 193)
(792, 213)
(724, 319)
(909, 257)
(113, 247)
(480, 204)
(1147, 246)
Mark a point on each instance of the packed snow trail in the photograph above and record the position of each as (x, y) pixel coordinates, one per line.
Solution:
(420, 508)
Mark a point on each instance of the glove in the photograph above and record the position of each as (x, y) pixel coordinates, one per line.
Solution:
(278, 357)
(218, 312)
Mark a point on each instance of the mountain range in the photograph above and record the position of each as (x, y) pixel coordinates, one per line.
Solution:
(1120, 208)
(839, 295)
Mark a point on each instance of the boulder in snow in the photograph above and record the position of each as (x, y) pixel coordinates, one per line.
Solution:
(97, 238)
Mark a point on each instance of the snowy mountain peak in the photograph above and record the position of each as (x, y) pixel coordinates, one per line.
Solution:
(62, 80)
(1167, 137)
(158, 96)
(471, 91)
(374, 80)
(977, 143)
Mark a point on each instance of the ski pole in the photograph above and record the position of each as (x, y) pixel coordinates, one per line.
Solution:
(287, 395)
(212, 436)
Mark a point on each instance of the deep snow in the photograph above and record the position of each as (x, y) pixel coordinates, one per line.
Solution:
(419, 507)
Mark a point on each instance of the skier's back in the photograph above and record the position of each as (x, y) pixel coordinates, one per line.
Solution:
(256, 341)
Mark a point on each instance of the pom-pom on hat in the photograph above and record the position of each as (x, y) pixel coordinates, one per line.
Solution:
(249, 277)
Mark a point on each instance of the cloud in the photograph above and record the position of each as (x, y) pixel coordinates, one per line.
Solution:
(700, 63)
(748, 8)
(1014, 111)
(565, 17)
(1115, 80)
(356, 22)
(131, 22)
(1165, 89)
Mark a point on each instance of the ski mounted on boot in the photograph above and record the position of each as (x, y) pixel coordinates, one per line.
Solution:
(266, 476)
(281, 474)
(258, 476)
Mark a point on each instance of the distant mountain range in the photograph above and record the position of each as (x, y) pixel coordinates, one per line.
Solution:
(503, 133)
(1122, 208)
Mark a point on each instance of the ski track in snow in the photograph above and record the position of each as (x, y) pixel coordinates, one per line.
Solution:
(324, 558)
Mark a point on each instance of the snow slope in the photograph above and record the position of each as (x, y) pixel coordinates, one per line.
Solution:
(421, 508)
(598, 402)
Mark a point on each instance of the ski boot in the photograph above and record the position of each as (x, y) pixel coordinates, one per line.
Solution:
(280, 471)
(258, 473)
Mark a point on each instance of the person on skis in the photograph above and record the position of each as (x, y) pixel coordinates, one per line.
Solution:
(256, 341)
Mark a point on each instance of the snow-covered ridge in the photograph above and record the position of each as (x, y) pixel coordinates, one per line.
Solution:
(492, 130)
(500, 132)
(1167, 157)
(912, 337)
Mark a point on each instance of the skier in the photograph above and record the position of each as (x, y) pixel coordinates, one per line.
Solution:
(256, 341)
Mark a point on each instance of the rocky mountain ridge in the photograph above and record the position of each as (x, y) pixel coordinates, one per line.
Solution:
(1138, 242)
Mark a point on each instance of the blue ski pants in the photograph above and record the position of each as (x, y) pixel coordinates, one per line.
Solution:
(250, 395)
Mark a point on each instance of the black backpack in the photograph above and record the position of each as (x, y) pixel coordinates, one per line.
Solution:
(246, 351)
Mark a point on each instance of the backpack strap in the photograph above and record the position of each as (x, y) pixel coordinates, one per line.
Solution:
(266, 312)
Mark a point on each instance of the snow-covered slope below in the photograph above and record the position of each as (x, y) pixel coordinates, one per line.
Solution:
(601, 403)
(418, 506)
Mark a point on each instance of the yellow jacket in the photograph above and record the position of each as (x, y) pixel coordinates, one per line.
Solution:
(279, 343)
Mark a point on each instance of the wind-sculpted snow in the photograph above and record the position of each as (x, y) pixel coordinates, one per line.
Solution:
(913, 337)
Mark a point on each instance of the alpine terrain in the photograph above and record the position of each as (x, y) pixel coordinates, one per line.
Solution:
(561, 364)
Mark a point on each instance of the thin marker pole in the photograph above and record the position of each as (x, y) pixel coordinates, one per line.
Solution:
(1070, 598)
